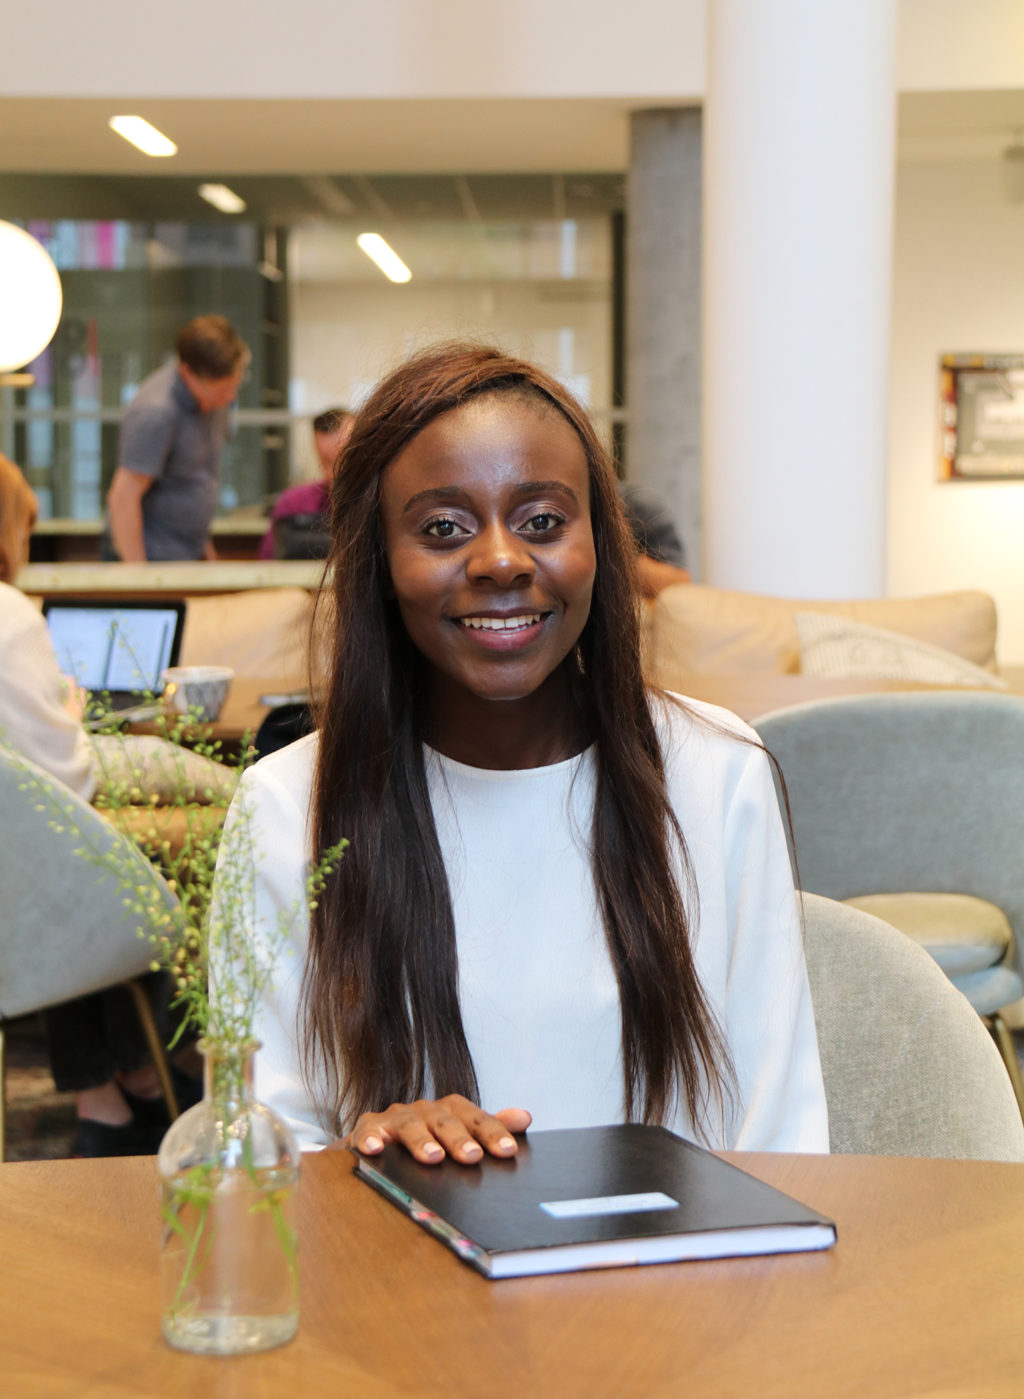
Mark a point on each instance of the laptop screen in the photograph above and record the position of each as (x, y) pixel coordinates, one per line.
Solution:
(120, 647)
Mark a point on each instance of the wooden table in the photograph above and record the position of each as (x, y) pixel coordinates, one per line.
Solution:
(747, 694)
(923, 1296)
(242, 712)
(753, 693)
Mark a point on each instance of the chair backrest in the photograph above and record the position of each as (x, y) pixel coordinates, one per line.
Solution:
(302, 536)
(64, 928)
(911, 791)
(909, 1068)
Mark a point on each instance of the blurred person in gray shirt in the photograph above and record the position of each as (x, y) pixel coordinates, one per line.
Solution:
(164, 492)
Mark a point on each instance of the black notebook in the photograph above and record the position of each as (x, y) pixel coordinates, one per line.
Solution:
(595, 1197)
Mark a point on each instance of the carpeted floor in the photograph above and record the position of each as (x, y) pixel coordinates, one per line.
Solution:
(40, 1121)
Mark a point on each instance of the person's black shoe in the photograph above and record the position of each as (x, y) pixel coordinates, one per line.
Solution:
(101, 1139)
(152, 1112)
(148, 1112)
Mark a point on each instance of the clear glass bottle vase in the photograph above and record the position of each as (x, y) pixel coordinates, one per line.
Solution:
(229, 1173)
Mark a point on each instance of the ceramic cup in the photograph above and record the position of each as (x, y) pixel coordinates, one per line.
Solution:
(197, 689)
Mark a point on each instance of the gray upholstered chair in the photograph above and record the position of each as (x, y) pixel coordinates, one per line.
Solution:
(909, 1070)
(911, 805)
(64, 930)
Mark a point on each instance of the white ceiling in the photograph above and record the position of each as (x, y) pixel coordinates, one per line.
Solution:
(283, 136)
(411, 135)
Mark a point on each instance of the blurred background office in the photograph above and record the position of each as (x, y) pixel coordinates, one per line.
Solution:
(596, 210)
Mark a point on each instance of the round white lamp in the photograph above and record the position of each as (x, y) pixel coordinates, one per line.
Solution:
(30, 297)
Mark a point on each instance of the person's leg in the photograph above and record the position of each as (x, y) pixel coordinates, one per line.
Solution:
(80, 1058)
(92, 1042)
(81, 1063)
(129, 1049)
(136, 1074)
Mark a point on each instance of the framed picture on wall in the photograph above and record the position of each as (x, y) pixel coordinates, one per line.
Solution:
(981, 417)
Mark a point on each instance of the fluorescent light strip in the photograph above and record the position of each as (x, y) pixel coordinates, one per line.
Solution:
(222, 198)
(140, 133)
(375, 248)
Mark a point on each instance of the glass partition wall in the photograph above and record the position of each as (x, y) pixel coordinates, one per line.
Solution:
(128, 288)
(525, 262)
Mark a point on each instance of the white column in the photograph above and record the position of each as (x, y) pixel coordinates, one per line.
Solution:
(799, 131)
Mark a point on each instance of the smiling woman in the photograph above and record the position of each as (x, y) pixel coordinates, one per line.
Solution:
(486, 522)
(567, 898)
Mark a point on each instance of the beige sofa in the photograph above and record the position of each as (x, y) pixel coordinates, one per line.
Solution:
(691, 630)
(694, 629)
(262, 634)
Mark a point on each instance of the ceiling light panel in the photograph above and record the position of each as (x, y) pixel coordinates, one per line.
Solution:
(380, 252)
(142, 134)
(222, 198)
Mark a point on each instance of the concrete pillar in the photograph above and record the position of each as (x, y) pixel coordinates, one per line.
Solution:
(663, 270)
(799, 130)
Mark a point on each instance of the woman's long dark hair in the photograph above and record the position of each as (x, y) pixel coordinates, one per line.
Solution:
(381, 1000)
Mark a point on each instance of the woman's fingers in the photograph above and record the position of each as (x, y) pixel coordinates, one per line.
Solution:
(466, 1131)
(369, 1134)
(430, 1129)
(515, 1119)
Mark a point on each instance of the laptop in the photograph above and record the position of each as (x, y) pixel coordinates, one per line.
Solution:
(116, 650)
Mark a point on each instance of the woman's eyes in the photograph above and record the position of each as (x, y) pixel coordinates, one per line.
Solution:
(444, 527)
(441, 527)
(545, 522)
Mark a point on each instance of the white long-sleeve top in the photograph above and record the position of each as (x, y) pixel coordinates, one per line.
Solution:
(538, 994)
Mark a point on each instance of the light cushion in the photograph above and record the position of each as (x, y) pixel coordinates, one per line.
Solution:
(835, 646)
(964, 934)
(260, 634)
(695, 627)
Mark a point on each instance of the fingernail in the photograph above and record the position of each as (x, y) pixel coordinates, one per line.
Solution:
(433, 1150)
(506, 1144)
(372, 1144)
(472, 1149)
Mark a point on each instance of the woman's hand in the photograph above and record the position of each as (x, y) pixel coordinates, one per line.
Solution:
(74, 699)
(429, 1129)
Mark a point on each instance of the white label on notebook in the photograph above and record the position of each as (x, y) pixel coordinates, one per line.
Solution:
(610, 1204)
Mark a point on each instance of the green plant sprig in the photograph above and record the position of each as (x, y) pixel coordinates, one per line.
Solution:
(188, 923)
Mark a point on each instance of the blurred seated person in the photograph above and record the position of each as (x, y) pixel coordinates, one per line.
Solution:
(300, 522)
(661, 558)
(97, 1048)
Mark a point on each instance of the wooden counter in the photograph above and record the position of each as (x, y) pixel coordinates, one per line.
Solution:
(236, 535)
(173, 579)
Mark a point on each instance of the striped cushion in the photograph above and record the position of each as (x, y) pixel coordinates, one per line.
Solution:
(835, 646)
